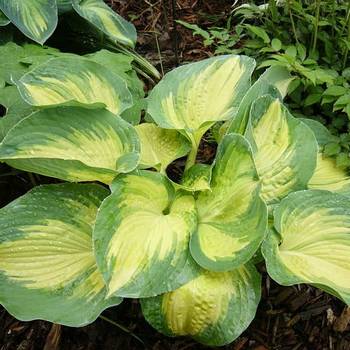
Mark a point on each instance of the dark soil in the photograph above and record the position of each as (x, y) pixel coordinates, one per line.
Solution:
(288, 318)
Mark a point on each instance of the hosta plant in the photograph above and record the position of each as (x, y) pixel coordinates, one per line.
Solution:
(38, 19)
(187, 248)
(112, 69)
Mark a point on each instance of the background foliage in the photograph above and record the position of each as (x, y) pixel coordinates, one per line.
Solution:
(309, 37)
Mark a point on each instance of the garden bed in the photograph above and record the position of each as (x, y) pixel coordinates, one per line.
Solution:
(288, 318)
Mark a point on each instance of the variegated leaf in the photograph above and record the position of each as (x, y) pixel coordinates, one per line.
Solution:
(47, 267)
(141, 236)
(214, 308)
(17, 60)
(232, 218)
(310, 242)
(37, 19)
(74, 79)
(197, 178)
(73, 144)
(160, 147)
(193, 97)
(274, 82)
(121, 64)
(285, 149)
(106, 20)
(327, 175)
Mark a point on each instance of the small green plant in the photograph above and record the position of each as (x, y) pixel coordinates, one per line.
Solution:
(68, 251)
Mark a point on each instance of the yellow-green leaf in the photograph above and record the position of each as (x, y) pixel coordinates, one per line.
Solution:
(73, 144)
(37, 19)
(192, 97)
(141, 236)
(310, 242)
(285, 149)
(121, 64)
(106, 20)
(74, 79)
(214, 308)
(160, 147)
(274, 82)
(47, 266)
(197, 178)
(232, 218)
(328, 177)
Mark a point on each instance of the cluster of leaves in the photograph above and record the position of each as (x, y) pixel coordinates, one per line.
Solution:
(309, 38)
(70, 250)
(38, 19)
(119, 227)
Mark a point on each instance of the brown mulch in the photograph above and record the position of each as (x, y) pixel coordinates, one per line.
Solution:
(288, 318)
(160, 39)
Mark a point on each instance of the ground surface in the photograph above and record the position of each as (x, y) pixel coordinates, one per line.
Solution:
(288, 318)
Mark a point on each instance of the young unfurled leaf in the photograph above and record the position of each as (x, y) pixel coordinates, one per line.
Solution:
(311, 242)
(47, 267)
(285, 149)
(73, 144)
(192, 97)
(37, 19)
(160, 147)
(232, 218)
(106, 20)
(74, 79)
(214, 308)
(141, 236)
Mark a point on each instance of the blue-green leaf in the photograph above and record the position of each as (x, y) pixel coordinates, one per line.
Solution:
(37, 19)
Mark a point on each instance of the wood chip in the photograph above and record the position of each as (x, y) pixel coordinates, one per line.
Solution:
(342, 322)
